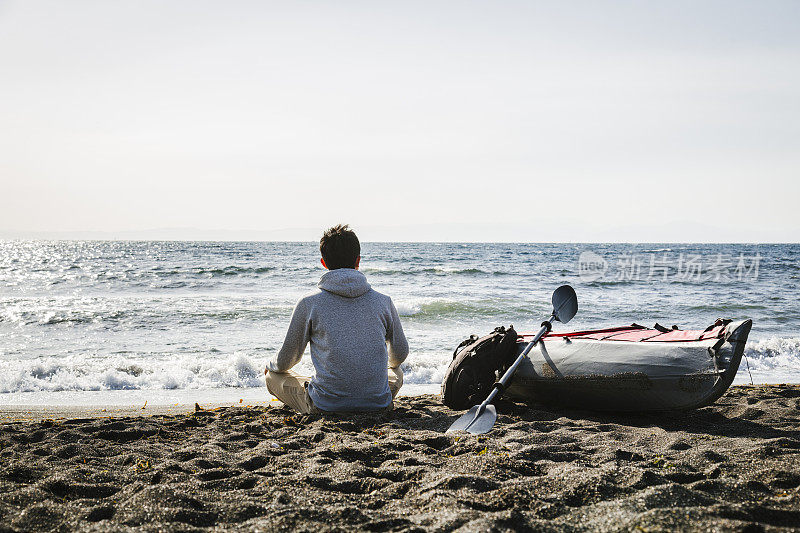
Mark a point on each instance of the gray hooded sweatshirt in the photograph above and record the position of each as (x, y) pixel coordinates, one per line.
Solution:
(349, 326)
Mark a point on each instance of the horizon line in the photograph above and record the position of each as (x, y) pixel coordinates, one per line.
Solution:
(76, 239)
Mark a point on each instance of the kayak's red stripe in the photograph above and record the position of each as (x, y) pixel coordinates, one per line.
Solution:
(589, 332)
(639, 334)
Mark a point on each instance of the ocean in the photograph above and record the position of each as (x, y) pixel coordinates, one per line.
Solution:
(110, 322)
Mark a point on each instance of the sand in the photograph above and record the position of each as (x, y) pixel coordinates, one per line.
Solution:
(734, 466)
(18, 413)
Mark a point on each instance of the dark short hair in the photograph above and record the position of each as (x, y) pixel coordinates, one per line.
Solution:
(339, 247)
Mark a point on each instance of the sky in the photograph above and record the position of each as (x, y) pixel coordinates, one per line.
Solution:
(412, 121)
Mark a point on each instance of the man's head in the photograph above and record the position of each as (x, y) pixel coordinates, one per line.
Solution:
(340, 248)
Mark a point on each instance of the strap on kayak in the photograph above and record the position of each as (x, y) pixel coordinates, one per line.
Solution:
(663, 329)
(718, 322)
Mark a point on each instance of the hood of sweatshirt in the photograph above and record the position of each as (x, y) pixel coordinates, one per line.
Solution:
(346, 282)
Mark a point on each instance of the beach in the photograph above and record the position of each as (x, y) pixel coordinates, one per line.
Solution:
(733, 466)
(211, 206)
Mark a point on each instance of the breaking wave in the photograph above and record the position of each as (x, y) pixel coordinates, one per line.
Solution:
(775, 359)
(73, 373)
(464, 309)
(129, 373)
(771, 360)
(135, 312)
(438, 271)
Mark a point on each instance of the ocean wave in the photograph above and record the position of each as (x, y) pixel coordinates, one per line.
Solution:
(437, 271)
(134, 313)
(426, 368)
(774, 353)
(463, 309)
(50, 317)
(772, 360)
(119, 373)
(775, 359)
(232, 270)
(73, 373)
(611, 282)
(724, 308)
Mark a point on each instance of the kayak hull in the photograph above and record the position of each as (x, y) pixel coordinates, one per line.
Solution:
(601, 370)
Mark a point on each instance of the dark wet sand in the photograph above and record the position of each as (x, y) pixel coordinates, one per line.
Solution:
(734, 466)
(30, 413)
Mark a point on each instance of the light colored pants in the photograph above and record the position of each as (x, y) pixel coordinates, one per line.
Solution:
(292, 389)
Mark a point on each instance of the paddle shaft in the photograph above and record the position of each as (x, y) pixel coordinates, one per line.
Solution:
(513, 368)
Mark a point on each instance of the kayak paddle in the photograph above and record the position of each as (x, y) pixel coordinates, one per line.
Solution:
(481, 418)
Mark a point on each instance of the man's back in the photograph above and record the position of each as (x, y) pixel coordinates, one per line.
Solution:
(348, 325)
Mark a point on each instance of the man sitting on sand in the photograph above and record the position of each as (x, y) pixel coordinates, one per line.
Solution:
(349, 326)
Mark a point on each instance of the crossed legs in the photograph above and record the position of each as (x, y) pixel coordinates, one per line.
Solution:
(292, 389)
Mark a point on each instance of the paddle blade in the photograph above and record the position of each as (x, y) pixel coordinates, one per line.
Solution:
(464, 420)
(476, 421)
(565, 303)
(484, 421)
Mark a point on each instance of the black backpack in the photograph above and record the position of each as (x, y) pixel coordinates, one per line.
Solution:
(474, 368)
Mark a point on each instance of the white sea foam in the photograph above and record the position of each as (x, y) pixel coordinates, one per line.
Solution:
(181, 372)
(422, 306)
(405, 308)
(426, 368)
(771, 360)
(441, 308)
(72, 373)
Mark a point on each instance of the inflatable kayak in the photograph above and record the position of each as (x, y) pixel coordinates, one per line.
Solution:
(631, 368)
